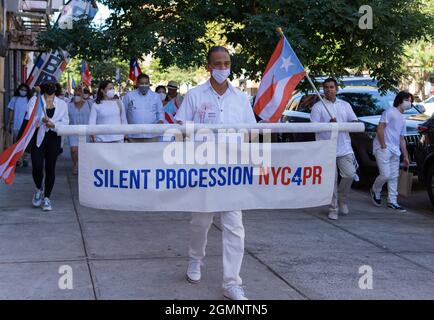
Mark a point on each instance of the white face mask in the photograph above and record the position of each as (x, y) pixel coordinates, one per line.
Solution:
(221, 75)
(162, 96)
(85, 96)
(77, 98)
(23, 93)
(406, 105)
(111, 94)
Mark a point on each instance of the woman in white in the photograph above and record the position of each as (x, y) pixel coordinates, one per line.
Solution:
(388, 146)
(46, 144)
(17, 111)
(107, 110)
(79, 113)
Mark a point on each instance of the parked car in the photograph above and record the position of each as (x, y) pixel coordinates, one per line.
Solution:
(425, 156)
(352, 81)
(429, 106)
(368, 105)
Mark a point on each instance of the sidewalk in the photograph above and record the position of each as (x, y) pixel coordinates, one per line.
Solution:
(290, 254)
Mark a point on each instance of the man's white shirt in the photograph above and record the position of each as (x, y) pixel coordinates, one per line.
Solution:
(204, 105)
(143, 109)
(342, 111)
(395, 129)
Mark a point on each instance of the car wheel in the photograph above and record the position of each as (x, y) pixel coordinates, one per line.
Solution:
(430, 183)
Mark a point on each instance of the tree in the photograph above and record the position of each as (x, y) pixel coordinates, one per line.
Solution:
(419, 60)
(325, 34)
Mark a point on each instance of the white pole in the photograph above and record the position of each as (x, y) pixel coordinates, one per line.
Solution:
(161, 129)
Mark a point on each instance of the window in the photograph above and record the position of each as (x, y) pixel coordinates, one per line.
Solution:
(307, 103)
(368, 104)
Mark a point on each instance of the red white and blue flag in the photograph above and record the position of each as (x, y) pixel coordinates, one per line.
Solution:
(86, 78)
(9, 158)
(282, 75)
(135, 70)
(170, 110)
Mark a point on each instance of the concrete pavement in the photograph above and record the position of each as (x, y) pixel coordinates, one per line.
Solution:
(290, 254)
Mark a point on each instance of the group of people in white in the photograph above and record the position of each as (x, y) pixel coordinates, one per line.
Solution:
(217, 102)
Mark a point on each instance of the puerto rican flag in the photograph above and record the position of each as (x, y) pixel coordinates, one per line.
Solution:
(134, 69)
(170, 110)
(86, 78)
(282, 75)
(9, 158)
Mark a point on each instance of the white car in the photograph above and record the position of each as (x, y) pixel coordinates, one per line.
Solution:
(429, 106)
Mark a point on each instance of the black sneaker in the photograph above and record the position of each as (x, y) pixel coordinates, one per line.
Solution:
(396, 207)
(375, 201)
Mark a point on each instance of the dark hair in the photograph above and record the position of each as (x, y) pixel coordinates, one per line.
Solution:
(330, 80)
(100, 94)
(59, 90)
(400, 97)
(86, 90)
(48, 84)
(23, 86)
(160, 87)
(215, 49)
(142, 76)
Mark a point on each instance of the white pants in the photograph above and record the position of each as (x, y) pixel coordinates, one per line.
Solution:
(347, 170)
(233, 242)
(388, 165)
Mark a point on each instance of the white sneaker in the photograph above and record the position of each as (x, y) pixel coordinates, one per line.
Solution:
(37, 198)
(46, 205)
(235, 293)
(343, 208)
(333, 215)
(193, 271)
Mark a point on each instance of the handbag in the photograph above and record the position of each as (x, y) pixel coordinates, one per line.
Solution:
(405, 182)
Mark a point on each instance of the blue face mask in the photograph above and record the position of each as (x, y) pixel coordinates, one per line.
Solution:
(143, 89)
(221, 75)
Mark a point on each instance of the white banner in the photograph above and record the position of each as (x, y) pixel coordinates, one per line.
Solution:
(176, 176)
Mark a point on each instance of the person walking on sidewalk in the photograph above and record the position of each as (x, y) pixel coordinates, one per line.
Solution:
(45, 145)
(107, 110)
(79, 113)
(340, 111)
(217, 102)
(17, 111)
(388, 146)
(144, 106)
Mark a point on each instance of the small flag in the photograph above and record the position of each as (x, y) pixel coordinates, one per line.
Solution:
(134, 69)
(86, 78)
(282, 75)
(9, 158)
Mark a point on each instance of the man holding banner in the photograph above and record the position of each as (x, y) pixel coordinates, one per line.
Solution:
(217, 102)
(336, 110)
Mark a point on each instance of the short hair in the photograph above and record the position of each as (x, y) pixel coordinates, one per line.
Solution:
(160, 87)
(331, 80)
(215, 49)
(401, 96)
(142, 76)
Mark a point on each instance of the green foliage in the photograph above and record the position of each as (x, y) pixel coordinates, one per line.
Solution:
(324, 33)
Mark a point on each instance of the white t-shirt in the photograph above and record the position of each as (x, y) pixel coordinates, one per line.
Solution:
(19, 106)
(342, 111)
(108, 112)
(395, 129)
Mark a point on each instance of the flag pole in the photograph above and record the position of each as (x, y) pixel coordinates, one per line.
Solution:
(280, 31)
